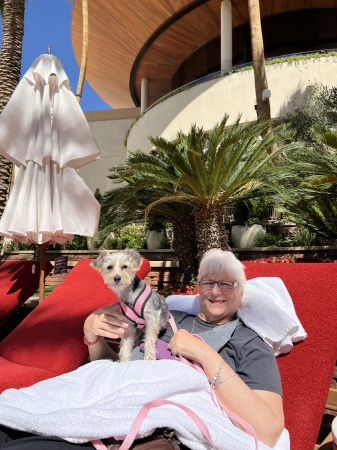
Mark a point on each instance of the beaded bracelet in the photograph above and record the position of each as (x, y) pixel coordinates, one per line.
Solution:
(91, 343)
(218, 380)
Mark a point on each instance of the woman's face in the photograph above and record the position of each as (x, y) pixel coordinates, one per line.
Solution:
(219, 305)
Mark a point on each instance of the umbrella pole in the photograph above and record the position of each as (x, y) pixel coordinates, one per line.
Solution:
(43, 249)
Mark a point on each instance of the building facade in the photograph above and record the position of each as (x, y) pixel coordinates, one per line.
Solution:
(164, 64)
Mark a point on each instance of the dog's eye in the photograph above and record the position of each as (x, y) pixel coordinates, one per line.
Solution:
(124, 267)
(109, 267)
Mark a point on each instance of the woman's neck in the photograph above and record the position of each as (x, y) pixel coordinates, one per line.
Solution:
(219, 321)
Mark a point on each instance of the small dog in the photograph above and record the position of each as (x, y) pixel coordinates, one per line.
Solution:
(141, 306)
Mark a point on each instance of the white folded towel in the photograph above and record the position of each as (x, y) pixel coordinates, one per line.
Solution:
(267, 309)
(102, 399)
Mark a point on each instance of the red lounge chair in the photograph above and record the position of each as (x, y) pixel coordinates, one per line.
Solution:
(49, 341)
(17, 284)
(307, 370)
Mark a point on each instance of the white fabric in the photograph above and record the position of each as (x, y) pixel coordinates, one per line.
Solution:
(102, 399)
(267, 309)
(44, 132)
(27, 132)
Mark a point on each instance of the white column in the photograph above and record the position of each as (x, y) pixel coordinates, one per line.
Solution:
(144, 96)
(226, 34)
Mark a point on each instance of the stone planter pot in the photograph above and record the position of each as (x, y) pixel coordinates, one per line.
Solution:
(154, 239)
(243, 236)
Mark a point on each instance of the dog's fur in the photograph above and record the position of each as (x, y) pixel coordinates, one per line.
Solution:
(119, 273)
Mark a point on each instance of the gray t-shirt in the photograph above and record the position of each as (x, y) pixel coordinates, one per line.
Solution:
(246, 353)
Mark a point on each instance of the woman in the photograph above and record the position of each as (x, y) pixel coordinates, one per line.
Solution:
(255, 394)
(241, 367)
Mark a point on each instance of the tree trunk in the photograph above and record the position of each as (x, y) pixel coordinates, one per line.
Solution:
(184, 245)
(259, 68)
(10, 69)
(210, 229)
(85, 43)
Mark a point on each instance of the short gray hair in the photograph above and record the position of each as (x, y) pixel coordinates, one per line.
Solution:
(216, 262)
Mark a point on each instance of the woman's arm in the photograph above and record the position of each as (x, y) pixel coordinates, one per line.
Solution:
(263, 410)
(105, 322)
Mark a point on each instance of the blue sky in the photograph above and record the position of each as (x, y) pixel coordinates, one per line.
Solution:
(47, 22)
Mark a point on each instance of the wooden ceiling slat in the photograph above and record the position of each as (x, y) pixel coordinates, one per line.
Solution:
(119, 29)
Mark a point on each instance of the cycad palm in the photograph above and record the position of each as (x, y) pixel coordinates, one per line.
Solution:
(309, 176)
(201, 171)
(218, 168)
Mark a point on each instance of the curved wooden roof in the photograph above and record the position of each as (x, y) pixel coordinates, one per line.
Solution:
(134, 39)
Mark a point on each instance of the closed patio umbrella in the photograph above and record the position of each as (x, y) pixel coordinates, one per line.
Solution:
(44, 132)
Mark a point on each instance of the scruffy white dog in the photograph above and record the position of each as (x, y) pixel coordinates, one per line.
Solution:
(142, 307)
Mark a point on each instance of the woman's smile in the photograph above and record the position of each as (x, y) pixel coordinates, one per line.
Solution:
(212, 300)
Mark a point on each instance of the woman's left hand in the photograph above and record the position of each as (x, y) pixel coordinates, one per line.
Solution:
(188, 345)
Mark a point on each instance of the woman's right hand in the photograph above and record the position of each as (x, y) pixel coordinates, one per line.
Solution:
(108, 322)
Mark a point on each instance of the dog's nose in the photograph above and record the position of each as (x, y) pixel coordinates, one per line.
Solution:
(117, 279)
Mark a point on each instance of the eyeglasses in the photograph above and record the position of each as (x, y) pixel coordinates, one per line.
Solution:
(223, 285)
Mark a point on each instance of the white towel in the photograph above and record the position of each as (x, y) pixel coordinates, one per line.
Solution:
(102, 399)
(267, 309)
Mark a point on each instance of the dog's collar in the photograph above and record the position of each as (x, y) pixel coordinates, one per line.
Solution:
(136, 313)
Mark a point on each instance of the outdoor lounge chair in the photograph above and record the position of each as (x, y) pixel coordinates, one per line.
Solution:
(50, 340)
(307, 370)
(18, 282)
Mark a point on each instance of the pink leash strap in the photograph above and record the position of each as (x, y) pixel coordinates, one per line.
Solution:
(98, 444)
(154, 404)
(131, 436)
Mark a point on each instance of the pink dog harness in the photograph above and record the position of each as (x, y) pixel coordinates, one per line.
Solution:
(136, 313)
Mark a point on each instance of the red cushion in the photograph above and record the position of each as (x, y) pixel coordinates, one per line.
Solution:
(144, 269)
(17, 284)
(307, 370)
(51, 337)
(18, 376)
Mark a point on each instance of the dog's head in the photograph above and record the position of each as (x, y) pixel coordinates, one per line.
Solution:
(118, 269)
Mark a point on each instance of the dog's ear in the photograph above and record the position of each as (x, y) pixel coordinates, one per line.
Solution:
(98, 262)
(134, 256)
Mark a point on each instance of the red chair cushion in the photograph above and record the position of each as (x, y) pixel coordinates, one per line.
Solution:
(17, 284)
(307, 370)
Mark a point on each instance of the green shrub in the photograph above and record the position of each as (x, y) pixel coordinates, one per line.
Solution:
(130, 236)
(22, 247)
(268, 240)
(8, 245)
(79, 243)
(302, 237)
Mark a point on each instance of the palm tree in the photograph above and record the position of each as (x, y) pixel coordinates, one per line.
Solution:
(13, 13)
(202, 172)
(259, 68)
(129, 203)
(85, 45)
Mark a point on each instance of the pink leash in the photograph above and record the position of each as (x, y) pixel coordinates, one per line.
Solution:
(98, 444)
